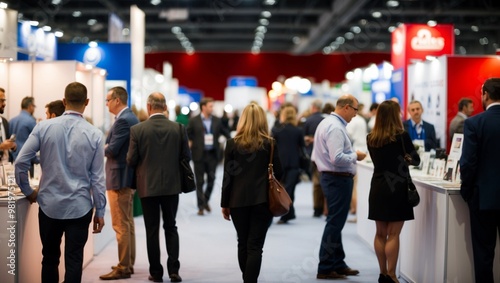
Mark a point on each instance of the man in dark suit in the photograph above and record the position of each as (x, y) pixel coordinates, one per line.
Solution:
(120, 193)
(465, 109)
(155, 152)
(479, 174)
(203, 132)
(310, 126)
(418, 128)
(6, 144)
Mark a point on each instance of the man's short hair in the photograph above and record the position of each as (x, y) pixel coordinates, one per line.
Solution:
(205, 101)
(120, 93)
(75, 94)
(492, 86)
(27, 101)
(157, 101)
(55, 107)
(464, 102)
(416, 101)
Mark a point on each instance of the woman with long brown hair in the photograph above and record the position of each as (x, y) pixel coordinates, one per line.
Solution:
(388, 204)
(245, 187)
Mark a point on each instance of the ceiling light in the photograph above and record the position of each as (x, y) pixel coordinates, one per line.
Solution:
(327, 50)
(255, 50)
(126, 31)
(91, 22)
(56, 2)
(155, 2)
(265, 14)
(176, 30)
(3, 5)
(262, 29)
(340, 40)
(47, 28)
(264, 22)
(483, 41)
(376, 14)
(474, 28)
(380, 46)
(363, 22)
(58, 33)
(457, 31)
(431, 23)
(392, 3)
(349, 35)
(92, 44)
(34, 23)
(391, 28)
(269, 2)
(296, 40)
(76, 14)
(355, 29)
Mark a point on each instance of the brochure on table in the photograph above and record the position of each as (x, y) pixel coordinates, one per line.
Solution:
(453, 163)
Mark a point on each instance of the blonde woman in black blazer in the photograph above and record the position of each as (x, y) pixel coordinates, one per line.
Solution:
(245, 187)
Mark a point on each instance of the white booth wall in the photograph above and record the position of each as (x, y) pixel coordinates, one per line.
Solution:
(46, 81)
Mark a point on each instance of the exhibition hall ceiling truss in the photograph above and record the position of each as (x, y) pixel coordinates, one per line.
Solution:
(290, 26)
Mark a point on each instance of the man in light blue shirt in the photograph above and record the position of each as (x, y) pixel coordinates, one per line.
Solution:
(72, 184)
(23, 124)
(336, 160)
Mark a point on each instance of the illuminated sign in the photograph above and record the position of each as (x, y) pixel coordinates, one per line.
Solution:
(424, 41)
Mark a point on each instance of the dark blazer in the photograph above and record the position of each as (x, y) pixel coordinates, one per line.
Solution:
(154, 151)
(310, 126)
(117, 143)
(289, 140)
(479, 161)
(245, 181)
(430, 134)
(196, 132)
(7, 135)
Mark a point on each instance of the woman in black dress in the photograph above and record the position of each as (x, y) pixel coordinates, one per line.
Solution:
(388, 204)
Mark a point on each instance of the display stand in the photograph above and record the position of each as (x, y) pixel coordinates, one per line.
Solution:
(435, 246)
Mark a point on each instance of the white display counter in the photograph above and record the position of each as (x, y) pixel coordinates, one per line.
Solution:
(436, 246)
(20, 245)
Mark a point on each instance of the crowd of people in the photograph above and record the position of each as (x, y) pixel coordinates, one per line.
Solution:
(142, 155)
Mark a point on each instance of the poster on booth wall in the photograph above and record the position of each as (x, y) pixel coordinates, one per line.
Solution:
(427, 84)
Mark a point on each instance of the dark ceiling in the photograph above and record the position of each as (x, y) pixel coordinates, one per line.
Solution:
(297, 27)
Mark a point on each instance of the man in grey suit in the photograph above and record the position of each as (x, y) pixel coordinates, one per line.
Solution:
(465, 109)
(120, 193)
(479, 174)
(204, 131)
(155, 150)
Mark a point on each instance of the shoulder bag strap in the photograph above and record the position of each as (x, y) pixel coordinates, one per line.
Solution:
(180, 141)
(272, 152)
(408, 177)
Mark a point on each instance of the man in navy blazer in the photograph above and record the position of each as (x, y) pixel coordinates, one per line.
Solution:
(418, 128)
(203, 132)
(120, 193)
(480, 178)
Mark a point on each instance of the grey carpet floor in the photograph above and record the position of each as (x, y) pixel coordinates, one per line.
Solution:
(208, 247)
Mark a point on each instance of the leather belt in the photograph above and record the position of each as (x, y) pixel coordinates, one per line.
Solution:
(341, 174)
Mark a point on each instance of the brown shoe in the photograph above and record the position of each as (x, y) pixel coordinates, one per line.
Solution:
(331, 275)
(131, 268)
(207, 208)
(347, 271)
(174, 277)
(115, 275)
(200, 212)
(151, 278)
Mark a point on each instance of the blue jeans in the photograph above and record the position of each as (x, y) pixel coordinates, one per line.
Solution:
(338, 194)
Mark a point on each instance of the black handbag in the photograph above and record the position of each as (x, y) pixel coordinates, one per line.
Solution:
(187, 176)
(413, 197)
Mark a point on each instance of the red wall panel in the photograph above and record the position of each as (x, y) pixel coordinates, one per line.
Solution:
(209, 72)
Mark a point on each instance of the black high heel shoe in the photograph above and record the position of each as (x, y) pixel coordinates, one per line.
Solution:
(385, 279)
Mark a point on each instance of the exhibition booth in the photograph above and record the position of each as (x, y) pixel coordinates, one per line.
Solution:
(20, 245)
